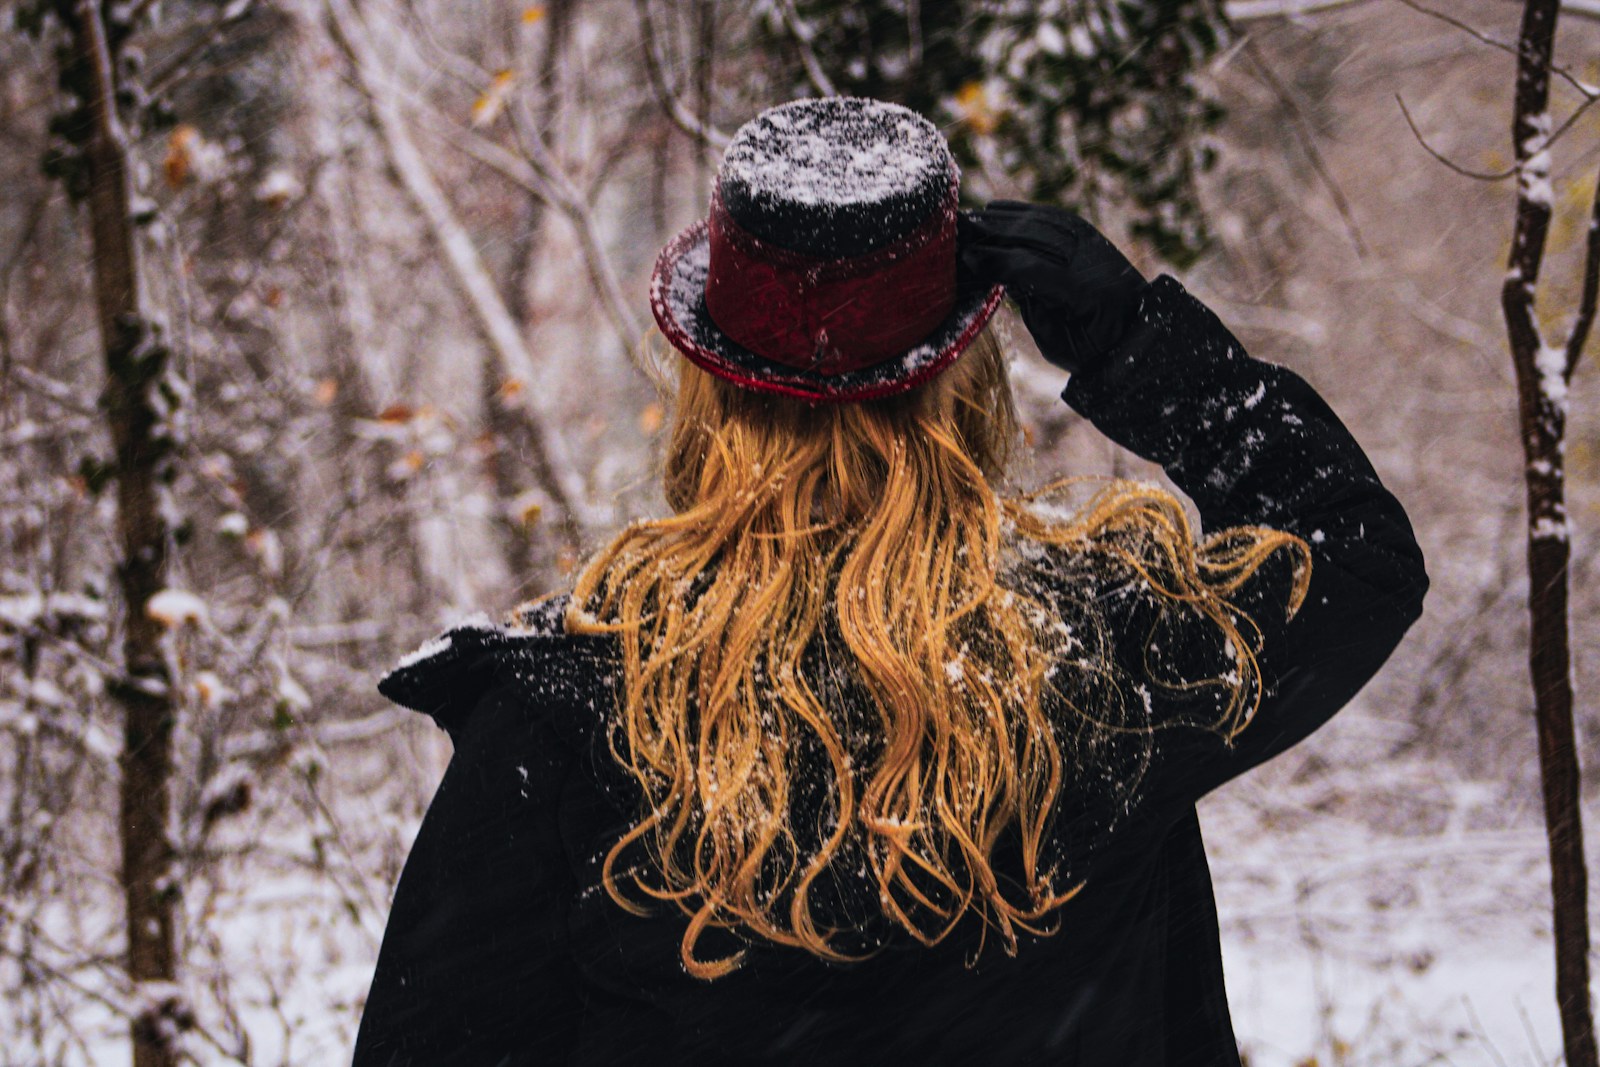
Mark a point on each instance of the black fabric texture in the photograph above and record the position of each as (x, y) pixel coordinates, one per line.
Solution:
(502, 950)
(1077, 293)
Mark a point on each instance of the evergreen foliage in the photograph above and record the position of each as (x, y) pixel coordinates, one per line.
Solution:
(1078, 102)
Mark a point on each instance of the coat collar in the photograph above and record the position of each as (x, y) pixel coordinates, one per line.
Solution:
(446, 676)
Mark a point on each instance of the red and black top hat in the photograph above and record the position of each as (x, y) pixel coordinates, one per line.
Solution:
(827, 269)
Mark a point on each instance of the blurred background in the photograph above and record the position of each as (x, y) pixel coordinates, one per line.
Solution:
(392, 259)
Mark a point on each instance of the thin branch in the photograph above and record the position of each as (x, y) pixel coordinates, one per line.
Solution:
(137, 12)
(224, 302)
(1585, 90)
(914, 42)
(1591, 289)
(534, 172)
(705, 54)
(538, 172)
(123, 1005)
(1306, 135)
(604, 168)
(1423, 141)
(179, 66)
(1571, 120)
(1249, 10)
(1245, 10)
(1590, 94)
(808, 56)
(666, 95)
(50, 389)
(561, 480)
(351, 731)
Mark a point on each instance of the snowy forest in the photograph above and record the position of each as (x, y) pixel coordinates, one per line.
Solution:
(323, 324)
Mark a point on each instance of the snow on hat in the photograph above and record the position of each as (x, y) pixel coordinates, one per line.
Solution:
(827, 268)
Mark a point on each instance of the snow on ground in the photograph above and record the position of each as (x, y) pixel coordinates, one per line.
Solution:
(1386, 913)
(1347, 947)
(1374, 914)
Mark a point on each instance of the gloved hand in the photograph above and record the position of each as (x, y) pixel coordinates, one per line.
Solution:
(1078, 295)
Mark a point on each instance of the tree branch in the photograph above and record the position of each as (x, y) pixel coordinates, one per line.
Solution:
(50, 389)
(1541, 409)
(1591, 288)
(1306, 136)
(558, 475)
(177, 68)
(537, 172)
(1585, 90)
(808, 56)
(1426, 147)
(141, 425)
(534, 172)
(666, 95)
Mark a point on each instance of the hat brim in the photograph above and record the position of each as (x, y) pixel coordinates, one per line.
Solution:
(677, 298)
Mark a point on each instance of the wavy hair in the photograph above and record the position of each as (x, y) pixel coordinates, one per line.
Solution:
(871, 532)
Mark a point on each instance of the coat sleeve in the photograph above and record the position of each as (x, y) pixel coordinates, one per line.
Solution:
(1252, 444)
(474, 967)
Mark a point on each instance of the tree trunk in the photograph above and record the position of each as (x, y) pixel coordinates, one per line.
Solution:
(1543, 373)
(138, 407)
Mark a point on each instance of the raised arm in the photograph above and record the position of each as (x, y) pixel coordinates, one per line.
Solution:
(1251, 443)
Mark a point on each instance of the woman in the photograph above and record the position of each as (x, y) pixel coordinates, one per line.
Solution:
(849, 760)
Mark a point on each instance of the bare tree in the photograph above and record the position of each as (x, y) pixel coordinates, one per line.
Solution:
(139, 405)
(1544, 371)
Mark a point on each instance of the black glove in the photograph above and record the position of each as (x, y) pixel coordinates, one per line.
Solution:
(1078, 295)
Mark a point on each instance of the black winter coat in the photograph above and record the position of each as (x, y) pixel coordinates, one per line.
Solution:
(501, 950)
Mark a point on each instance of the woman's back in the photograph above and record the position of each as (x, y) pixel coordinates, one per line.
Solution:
(505, 945)
(515, 944)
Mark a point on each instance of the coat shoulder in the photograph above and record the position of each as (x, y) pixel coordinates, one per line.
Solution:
(529, 651)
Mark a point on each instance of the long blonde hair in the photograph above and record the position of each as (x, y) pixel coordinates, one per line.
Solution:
(870, 530)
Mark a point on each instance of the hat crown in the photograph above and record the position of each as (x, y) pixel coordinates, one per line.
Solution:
(835, 177)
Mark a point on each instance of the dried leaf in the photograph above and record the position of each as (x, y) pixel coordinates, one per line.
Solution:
(533, 13)
(651, 418)
(510, 392)
(267, 549)
(975, 103)
(492, 100)
(397, 413)
(209, 688)
(179, 164)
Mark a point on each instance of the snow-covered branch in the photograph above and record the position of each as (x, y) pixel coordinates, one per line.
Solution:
(563, 482)
(666, 92)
